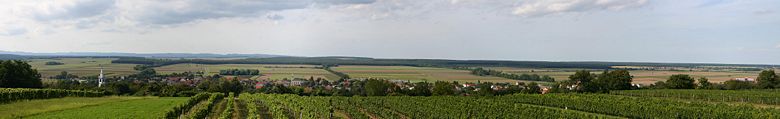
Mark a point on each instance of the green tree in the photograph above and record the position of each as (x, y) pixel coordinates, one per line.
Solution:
(737, 85)
(374, 87)
(582, 81)
(680, 81)
(767, 79)
(704, 83)
(18, 74)
(443, 88)
(532, 88)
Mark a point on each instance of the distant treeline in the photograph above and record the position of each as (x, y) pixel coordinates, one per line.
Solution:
(410, 62)
(490, 72)
(239, 72)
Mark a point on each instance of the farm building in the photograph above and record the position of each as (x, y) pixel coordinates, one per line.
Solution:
(745, 79)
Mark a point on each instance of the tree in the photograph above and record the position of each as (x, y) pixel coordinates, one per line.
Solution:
(484, 89)
(737, 85)
(421, 89)
(18, 74)
(680, 81)
(532, 88)
(145, 71)
(704, 83)
(767, 79)
(443, 88)
(374, 87)
(582, 79)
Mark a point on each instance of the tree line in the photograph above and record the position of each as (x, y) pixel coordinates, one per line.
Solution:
(490, 72)
(239, 72)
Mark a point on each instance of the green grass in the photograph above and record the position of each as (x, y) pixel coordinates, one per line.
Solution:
(134, 109)
(24, 108)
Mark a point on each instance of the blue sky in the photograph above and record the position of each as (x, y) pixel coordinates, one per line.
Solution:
(706, 31)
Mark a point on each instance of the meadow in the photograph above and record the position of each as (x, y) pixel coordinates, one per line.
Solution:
(269, 71)
(415, 74)
(147, 108)
(32, 107)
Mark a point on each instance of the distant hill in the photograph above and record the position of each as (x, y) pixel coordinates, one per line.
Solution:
(413, 62)
(147, 55)
(11, 57)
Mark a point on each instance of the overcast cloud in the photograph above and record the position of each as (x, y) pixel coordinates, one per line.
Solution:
(712, 31)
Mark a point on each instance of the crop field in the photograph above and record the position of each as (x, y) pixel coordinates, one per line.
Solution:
(27, 108)
(147, 108)
(269, 71)
(640, 76)
(415, 74)
(81, 67)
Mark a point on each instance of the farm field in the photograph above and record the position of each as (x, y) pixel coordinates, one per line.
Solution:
(26, 108)
(147, 108)
(81, 67)
(269, 71)
(415, 74)
(640, 76)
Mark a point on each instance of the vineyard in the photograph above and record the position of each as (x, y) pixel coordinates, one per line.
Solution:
(512, 106)
(619, 104)
(769, 97)
(16, 94)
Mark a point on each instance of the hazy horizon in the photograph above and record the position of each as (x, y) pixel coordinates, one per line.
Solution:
(664, 31)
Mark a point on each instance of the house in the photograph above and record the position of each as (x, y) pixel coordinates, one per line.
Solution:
(469, 85)
(744, 79)
(298, 82)
(260, 85)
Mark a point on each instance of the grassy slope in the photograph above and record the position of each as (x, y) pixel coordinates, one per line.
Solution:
(136, 109)
(25, 108)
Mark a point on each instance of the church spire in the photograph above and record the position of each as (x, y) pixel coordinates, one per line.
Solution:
(100, 77)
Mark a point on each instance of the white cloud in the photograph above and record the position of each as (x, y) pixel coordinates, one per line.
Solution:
(778, 46)
(536, 8)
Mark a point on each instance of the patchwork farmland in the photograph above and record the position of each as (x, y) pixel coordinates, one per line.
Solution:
(415, 74)
(269, 71)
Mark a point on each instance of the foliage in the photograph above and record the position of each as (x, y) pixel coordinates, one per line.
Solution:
(18, 74)
(180, 109)
(202, 109)
(54, 63)
(490, 72)
(16, 94)
(636, 107)
(680, 81)
(441, 88)
(768, 79)
(764, 96)
(228, 107)
(239, 72)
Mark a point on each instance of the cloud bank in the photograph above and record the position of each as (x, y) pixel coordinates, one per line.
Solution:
(549, 7)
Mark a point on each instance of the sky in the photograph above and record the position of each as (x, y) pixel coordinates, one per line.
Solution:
(689, 31)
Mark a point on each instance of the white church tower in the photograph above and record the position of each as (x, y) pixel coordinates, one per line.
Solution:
(100, 77)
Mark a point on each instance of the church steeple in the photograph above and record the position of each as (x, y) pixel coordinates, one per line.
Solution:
(100, 77)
